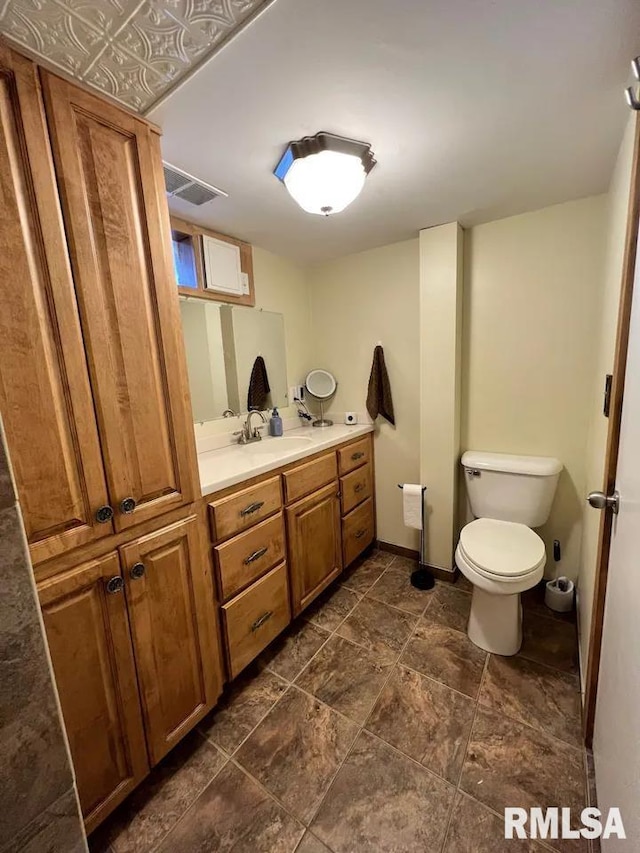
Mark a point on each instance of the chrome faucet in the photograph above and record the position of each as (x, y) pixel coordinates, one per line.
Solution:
(247, 434)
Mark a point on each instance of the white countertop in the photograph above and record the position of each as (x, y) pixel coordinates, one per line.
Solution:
(235, 463)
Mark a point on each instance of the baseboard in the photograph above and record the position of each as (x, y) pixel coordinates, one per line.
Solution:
(411, 554)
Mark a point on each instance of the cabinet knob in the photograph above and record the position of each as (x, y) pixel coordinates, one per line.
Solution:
(104, 514)
(137, 570)
(127, 506)
(115, 584)
(356, 456)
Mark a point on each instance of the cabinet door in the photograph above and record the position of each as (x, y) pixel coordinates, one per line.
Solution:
(88, 636)
(110, 175)
(170, 596)
(313, 528)
(45, 398)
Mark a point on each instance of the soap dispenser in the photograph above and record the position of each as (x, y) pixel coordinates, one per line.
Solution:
(275, 424)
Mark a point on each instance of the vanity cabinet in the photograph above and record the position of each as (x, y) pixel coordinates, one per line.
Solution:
(315, 544)
(280, 540)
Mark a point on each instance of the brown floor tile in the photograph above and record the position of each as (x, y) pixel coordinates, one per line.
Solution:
(381, 801)
(345, 676)
(362, 575)
(310, 844)
(545, 698)
(296, 750)
(550, 641)
(474, 829)
(450, 607)
(154, 808)
(425, 720)
(461, 583)
(332, 607)
(447, 655)
(394, 587)
(384, 630)
(241, 707)
(234, 813)
(294, 649)
(510, 764)
(533, 600)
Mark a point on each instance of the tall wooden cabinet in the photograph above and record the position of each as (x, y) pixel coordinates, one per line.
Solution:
(108, 165)
(45, 395)
(95, 405)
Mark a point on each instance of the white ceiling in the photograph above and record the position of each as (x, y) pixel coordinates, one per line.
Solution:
(133, 50)
(475, 111)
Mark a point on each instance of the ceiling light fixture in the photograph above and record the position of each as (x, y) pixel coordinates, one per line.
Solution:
(325, 173)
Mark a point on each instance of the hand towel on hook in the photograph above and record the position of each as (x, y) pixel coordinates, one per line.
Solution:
(379, 399)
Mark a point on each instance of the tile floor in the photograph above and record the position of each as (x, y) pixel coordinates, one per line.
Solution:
(374, 724)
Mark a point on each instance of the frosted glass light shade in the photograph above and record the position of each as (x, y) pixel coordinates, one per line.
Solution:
(326, 182)
(325, 173)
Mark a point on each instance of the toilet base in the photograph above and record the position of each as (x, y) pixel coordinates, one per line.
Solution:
(495, 622)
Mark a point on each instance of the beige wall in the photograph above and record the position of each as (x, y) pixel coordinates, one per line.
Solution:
(357, 301)
(532, 286)
(604, 345)
(441, 288)
(281, 285)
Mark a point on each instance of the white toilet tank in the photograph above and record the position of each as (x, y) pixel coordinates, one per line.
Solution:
(511, 488)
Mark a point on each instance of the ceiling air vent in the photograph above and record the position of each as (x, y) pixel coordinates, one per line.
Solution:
(182, 185)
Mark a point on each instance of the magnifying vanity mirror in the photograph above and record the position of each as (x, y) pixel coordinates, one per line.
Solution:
(322, 386)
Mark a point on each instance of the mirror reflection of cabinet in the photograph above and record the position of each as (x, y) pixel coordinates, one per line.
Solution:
(222, 343)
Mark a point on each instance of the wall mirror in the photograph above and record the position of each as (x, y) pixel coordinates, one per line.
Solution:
(227, 346)
(322, 385)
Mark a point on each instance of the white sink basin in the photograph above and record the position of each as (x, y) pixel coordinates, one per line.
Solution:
(272, 446)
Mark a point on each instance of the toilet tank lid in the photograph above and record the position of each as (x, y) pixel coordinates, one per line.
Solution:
(534, 466)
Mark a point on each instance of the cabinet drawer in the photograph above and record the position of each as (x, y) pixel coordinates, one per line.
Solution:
(357, 531)
(254, 617)
(354, 455)
(244, 509)
(244, 558)
(356, 487)
(309, 477)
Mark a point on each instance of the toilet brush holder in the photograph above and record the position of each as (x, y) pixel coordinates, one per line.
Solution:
(558, 595)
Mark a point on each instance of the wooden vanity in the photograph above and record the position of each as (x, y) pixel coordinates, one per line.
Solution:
(281, 539)
(146, 588)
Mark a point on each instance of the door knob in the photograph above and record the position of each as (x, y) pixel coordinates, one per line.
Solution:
(127, 506)
(598, 500)
(137, 570)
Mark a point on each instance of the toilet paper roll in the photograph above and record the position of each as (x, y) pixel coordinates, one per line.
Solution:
(412, 505)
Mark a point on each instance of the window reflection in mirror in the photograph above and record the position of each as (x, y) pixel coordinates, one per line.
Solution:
(222, 344)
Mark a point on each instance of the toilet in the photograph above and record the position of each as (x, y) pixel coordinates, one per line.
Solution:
(499, 552)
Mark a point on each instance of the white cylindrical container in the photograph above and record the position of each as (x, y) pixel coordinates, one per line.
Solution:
(559, 595)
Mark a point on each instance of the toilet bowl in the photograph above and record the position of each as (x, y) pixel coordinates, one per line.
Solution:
(499, 552)
(501, 559)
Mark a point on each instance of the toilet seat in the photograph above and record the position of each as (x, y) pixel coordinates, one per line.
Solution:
(501, 550)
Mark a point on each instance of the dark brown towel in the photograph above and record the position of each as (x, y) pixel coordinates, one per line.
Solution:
(379, 400)
(258, 386)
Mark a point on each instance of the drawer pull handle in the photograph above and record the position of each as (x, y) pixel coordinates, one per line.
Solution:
(254, 507)
(261, 620)
(360, 534)
(356, 456)
(359, 487)
(255, 556)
